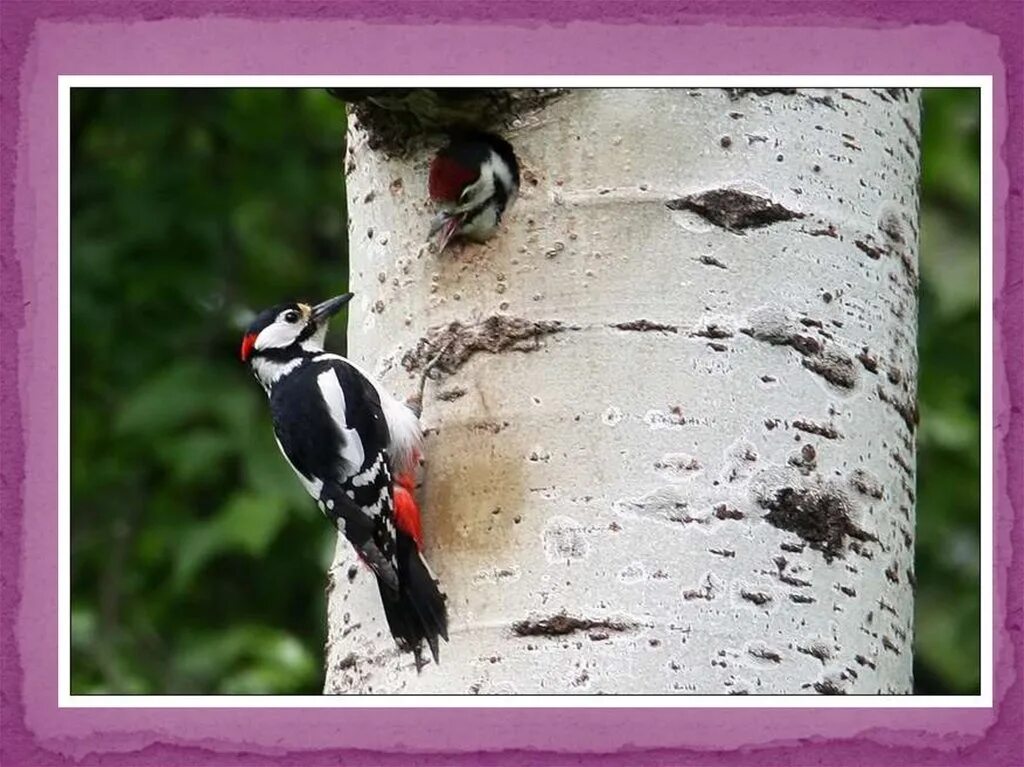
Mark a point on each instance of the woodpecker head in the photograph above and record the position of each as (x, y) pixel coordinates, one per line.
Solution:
(287, 330)
(473, 180)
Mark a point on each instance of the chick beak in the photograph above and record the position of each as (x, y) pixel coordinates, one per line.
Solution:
(324, 311)
(443, 227)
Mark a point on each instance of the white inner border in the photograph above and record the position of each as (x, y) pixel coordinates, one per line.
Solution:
(67, 700)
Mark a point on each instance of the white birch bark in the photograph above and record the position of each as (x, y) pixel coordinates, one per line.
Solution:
(674, 448)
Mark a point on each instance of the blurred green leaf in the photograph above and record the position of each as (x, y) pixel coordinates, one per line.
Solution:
(950, 146)
(197, 455)
(191, 209)
(248, 523)
(173, 397)
(951, 262)
(946, 633)
(250, 659)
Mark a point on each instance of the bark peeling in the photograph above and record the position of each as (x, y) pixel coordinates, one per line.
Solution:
(646, 326)
(562, 624)
(819, 515)
(734, 209)
(456, 342)
(822, 430)
(770, 324)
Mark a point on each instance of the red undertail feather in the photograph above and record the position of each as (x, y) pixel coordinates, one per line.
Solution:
(407, 512)
(417, 613)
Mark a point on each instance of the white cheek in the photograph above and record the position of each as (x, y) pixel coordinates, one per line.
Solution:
(478, 192)
(276, 335)
(482, 226)
(501, 170)
(315, 342)
(486, 186)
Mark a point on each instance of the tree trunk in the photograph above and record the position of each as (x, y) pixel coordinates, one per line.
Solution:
(672, 446)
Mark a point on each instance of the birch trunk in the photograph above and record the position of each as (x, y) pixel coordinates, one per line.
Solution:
(672, 450)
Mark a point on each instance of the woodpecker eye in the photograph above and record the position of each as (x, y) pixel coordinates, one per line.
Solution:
(292, 317)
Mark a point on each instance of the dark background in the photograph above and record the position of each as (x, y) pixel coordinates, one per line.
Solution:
(198, 561)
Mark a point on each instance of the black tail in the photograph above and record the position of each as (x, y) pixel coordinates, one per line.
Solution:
(417, 612)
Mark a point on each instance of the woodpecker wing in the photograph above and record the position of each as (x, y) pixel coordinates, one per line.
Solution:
(328, 420)
(333, 428)
(370, 530)
(404, 443)
(342, 435)
(330, 426)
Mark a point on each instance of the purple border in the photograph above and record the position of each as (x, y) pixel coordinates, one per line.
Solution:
(44, 39)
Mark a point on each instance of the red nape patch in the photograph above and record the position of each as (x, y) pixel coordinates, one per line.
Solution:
(407, 514)
(448, 178)
(247, 344)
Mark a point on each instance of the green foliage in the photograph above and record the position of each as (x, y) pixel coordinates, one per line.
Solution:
(197, 559)
(947, 640)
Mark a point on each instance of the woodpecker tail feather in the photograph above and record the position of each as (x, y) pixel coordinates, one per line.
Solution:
(417, 613)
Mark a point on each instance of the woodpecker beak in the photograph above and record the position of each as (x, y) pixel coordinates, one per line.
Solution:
(323, 312)
(443, 227)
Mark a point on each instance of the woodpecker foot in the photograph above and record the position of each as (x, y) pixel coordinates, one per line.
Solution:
(415, 402)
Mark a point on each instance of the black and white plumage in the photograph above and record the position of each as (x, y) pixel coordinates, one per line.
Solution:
(474, 179)
(345, 437)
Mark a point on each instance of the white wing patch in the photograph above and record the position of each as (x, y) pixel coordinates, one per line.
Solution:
(405, 436)
(352, 450)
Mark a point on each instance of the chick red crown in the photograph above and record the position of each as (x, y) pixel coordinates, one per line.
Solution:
(449, 176)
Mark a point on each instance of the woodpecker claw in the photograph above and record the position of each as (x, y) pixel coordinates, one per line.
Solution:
(415, 402)
(415, 405)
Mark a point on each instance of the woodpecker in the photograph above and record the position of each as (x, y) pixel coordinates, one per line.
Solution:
(473, 180)
(346, 438)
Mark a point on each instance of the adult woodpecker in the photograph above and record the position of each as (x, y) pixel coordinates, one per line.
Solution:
(473, 180)
(346, 438)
